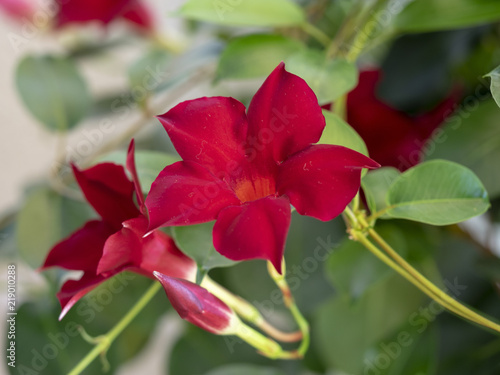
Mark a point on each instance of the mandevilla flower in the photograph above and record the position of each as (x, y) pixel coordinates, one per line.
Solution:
(198, 306)
(392, 137)
(102, 248)
(245, 169)
(104, 11)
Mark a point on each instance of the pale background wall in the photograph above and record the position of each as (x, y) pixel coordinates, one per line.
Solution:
(27, 153)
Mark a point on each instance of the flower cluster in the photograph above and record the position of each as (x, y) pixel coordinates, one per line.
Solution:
(114, 243)
(243, 169)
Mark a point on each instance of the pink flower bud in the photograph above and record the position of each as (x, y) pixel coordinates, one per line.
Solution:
(198, 306)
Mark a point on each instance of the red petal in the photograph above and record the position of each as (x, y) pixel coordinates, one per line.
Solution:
(161, 254)
(81, 11)
(186, 193)
(254, 230)
(139, 15)
(322, 179)
(109, 191)
(208, 131)
(284, 117)
(196, 305)
(130, 164)
(156, 252)
(73, 290)
(122, 248)
(82, 249)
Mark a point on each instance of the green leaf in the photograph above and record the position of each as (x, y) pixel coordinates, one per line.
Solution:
(432, 15)
(437, 192)
(245, 370)
(339, 132)
(471, 137)
(346, 330)
(53, 91)
(148, 164)
(376, 185)
(244, 13)
(45, 219)
(254, 56)
(329, 79)
(495, 84)
(196, 242)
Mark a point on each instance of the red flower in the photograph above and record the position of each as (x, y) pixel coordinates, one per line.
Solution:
(244, 169)
(198, 306)
(18, 9)
(104, 11)
(102, 248)
(392, 137)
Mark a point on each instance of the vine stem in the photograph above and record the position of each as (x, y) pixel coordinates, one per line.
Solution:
(316, 33)
(106, 340)
(396, 262)
(289, 301)
(248, 311)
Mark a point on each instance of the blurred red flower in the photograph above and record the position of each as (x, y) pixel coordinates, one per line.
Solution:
(245, 169)
(115, 242)
(104, 11)
(393, 138)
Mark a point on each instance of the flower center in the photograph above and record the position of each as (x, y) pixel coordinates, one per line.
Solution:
(248, 189)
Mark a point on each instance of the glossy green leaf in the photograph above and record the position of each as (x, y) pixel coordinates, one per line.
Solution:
(254, 56)
(376, 185)
(339, 132)
(45, 219)
(244, 13)
(196, 242)
(471, 137)
(148, 163)
(437, 192)
(53, 91)
(329, 79)
(432, 15)
(245, 370)
(495, 84)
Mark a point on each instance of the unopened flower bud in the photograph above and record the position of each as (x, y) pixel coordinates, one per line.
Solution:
(198, 306)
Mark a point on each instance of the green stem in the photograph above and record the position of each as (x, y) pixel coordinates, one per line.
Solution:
(248, 311)
(289, 301)
(108, 338)
(316, 33)
(263, 344)
(395, 261)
